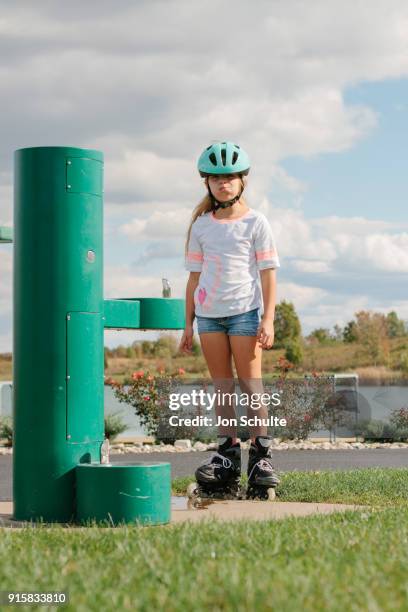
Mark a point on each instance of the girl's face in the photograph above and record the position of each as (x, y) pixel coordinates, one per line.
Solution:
(224, 186)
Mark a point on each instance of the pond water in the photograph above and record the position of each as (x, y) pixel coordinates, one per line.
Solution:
(368, 402)
(365, 402)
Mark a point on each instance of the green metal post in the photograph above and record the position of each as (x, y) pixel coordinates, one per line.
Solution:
(58, 326)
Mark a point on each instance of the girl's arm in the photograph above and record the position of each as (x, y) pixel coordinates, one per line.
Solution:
(268, 281)
(192, 283)
(266, 332)
(267, 261)
(186, 343)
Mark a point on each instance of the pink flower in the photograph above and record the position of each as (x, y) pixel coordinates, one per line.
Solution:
(112, 382)
(181, 371)
(138, 374)
(146, 397)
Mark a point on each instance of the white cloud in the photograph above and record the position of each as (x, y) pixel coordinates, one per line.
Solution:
(152, 83)
(390, 253)
(316, 267)
(148, 175)
(353, 245)
(161, 224)
(148, 84)
(340, 311)
(301, 296)
(135, 227)
(356, 225)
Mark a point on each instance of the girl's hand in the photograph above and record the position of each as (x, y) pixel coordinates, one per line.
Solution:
(186, 343)
(266, 333)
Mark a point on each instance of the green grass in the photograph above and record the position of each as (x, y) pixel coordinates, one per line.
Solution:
(354, 560)
(369, 486)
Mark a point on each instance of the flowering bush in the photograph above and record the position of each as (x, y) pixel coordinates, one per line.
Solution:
(399, 417)
(284, 366)
(302, 402)
(335, 413)
(149, 395)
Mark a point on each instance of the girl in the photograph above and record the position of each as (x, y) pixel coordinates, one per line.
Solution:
(229, 247)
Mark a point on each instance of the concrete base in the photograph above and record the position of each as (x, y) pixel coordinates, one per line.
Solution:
(232, 510)
(220, 510)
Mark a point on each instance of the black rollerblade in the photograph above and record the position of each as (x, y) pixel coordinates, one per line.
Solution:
(262, 478)
(218, 477)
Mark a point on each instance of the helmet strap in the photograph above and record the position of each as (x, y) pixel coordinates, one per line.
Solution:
(216, 204)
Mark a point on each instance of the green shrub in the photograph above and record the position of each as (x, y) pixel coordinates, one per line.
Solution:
(6, 430)
(294, 352)
(380, 431)
(393, 433)
(402, 363)
(114, 426)
(205, 438)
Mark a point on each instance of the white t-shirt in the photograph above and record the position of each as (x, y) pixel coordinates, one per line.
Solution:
(229, 253)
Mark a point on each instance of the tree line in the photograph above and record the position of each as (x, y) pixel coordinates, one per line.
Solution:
(372, 330)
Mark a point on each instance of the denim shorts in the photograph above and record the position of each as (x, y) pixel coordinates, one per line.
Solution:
(245, 324)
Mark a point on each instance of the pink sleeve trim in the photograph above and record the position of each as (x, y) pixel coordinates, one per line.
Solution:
(194, 256)
(260, 255)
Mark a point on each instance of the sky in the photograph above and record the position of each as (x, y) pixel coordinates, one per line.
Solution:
(315, 92)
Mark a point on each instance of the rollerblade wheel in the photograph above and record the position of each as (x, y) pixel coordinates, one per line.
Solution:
(261, 493)
(194, 497)
(271, 494)
(192, 490)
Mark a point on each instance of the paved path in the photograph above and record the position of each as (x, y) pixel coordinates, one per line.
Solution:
(184, 464)
(220, 510)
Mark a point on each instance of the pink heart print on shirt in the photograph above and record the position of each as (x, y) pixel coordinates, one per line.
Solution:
(202, 294)
(212, 271)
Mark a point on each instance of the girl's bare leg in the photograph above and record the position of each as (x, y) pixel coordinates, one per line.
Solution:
(247, 354)
(217, 352)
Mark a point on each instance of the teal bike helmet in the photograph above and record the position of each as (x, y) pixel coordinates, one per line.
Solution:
(223, 158)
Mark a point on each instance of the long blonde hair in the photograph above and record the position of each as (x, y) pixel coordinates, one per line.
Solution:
(204, 206)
